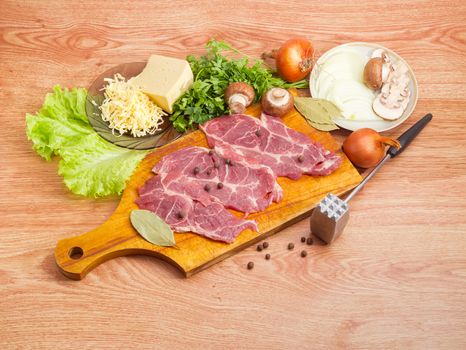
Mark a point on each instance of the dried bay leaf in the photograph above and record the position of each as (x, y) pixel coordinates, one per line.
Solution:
(318, 112)
(324, 127)
(152, 228)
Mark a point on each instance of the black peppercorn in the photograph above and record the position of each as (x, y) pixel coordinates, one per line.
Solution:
(259, 248)
(265, 245)
(300, 159)
(309, 241)
(208, 172)
(228, 162)
(211, 152)
(290, 246)
(250, 265)
(303, 239)
(196, 170)
(303, 253)
(180, 215)
(267, 256)
(258, 132)
(219, 185)
(207, 187)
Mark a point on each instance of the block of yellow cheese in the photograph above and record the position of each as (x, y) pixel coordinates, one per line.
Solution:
(165, 79)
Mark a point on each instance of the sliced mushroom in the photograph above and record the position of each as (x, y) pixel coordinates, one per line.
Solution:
(394, 95)
(386, 111)
(239, 95)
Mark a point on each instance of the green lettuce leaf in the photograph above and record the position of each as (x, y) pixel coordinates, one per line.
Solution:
(90, 165)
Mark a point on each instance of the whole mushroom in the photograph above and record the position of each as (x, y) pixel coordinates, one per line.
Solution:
(238, 96)
(376, 73)
(277, 102)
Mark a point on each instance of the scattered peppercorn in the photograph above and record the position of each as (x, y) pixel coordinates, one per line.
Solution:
(300, 159)
(208, 172)
(265, 245)
(267, 256)
(196, 170)
(180, 215)
(303, 239)
(219, 185)
(228, 162)
(303, 253)
(258, 132)
(211, 152)
(207, 187)
(290, 246)
(309, 241)
(259, 248)
(250, 265)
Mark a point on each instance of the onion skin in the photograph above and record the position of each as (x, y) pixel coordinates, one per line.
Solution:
(295, 59)
(365, 147)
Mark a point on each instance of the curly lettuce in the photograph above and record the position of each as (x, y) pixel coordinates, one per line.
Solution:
(89, 165)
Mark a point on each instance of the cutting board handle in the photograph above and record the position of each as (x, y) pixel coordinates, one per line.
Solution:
(76, 256)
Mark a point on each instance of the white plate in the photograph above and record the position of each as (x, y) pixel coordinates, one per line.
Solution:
(366, 50)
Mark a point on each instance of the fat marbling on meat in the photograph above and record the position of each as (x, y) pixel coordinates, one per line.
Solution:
(204, 176)
(268, 141)
(183, 214)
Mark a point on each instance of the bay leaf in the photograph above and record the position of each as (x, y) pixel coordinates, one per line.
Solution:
(317, 111)
(152, 228)
(324, 127)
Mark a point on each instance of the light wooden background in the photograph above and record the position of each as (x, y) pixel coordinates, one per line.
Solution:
(395, 280)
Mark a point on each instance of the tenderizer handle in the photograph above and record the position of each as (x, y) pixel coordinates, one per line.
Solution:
(406, 138)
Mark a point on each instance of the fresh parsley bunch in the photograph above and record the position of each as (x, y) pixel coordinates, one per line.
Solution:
(213, 72)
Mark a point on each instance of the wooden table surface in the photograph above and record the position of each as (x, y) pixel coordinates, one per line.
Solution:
(396, 279)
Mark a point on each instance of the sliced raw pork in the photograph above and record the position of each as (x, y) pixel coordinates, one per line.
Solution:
(183, 214)
(204, 176)
(268, 141)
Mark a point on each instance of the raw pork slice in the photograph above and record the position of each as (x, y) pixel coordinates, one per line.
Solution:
(268, 141)
(183, 214)
(204, 176)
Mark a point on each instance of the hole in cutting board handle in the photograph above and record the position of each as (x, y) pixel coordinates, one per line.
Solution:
(76, 253)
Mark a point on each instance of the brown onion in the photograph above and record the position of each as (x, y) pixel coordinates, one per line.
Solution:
(366, 147)
(295, 59)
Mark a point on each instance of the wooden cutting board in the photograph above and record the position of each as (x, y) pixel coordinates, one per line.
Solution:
(76, 256)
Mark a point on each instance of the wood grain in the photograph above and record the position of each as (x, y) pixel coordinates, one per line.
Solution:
(116, 237)
(396, 279)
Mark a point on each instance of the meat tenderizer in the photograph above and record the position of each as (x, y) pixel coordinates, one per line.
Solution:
(331, 215)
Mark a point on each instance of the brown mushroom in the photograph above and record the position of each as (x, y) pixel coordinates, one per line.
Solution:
(376, 72)
(238, 96)
(277, 102)
(373, 73)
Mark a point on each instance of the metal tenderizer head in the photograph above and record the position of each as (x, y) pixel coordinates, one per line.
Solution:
(329, 218)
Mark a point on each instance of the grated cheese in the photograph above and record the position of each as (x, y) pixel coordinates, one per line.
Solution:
(128, 109)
